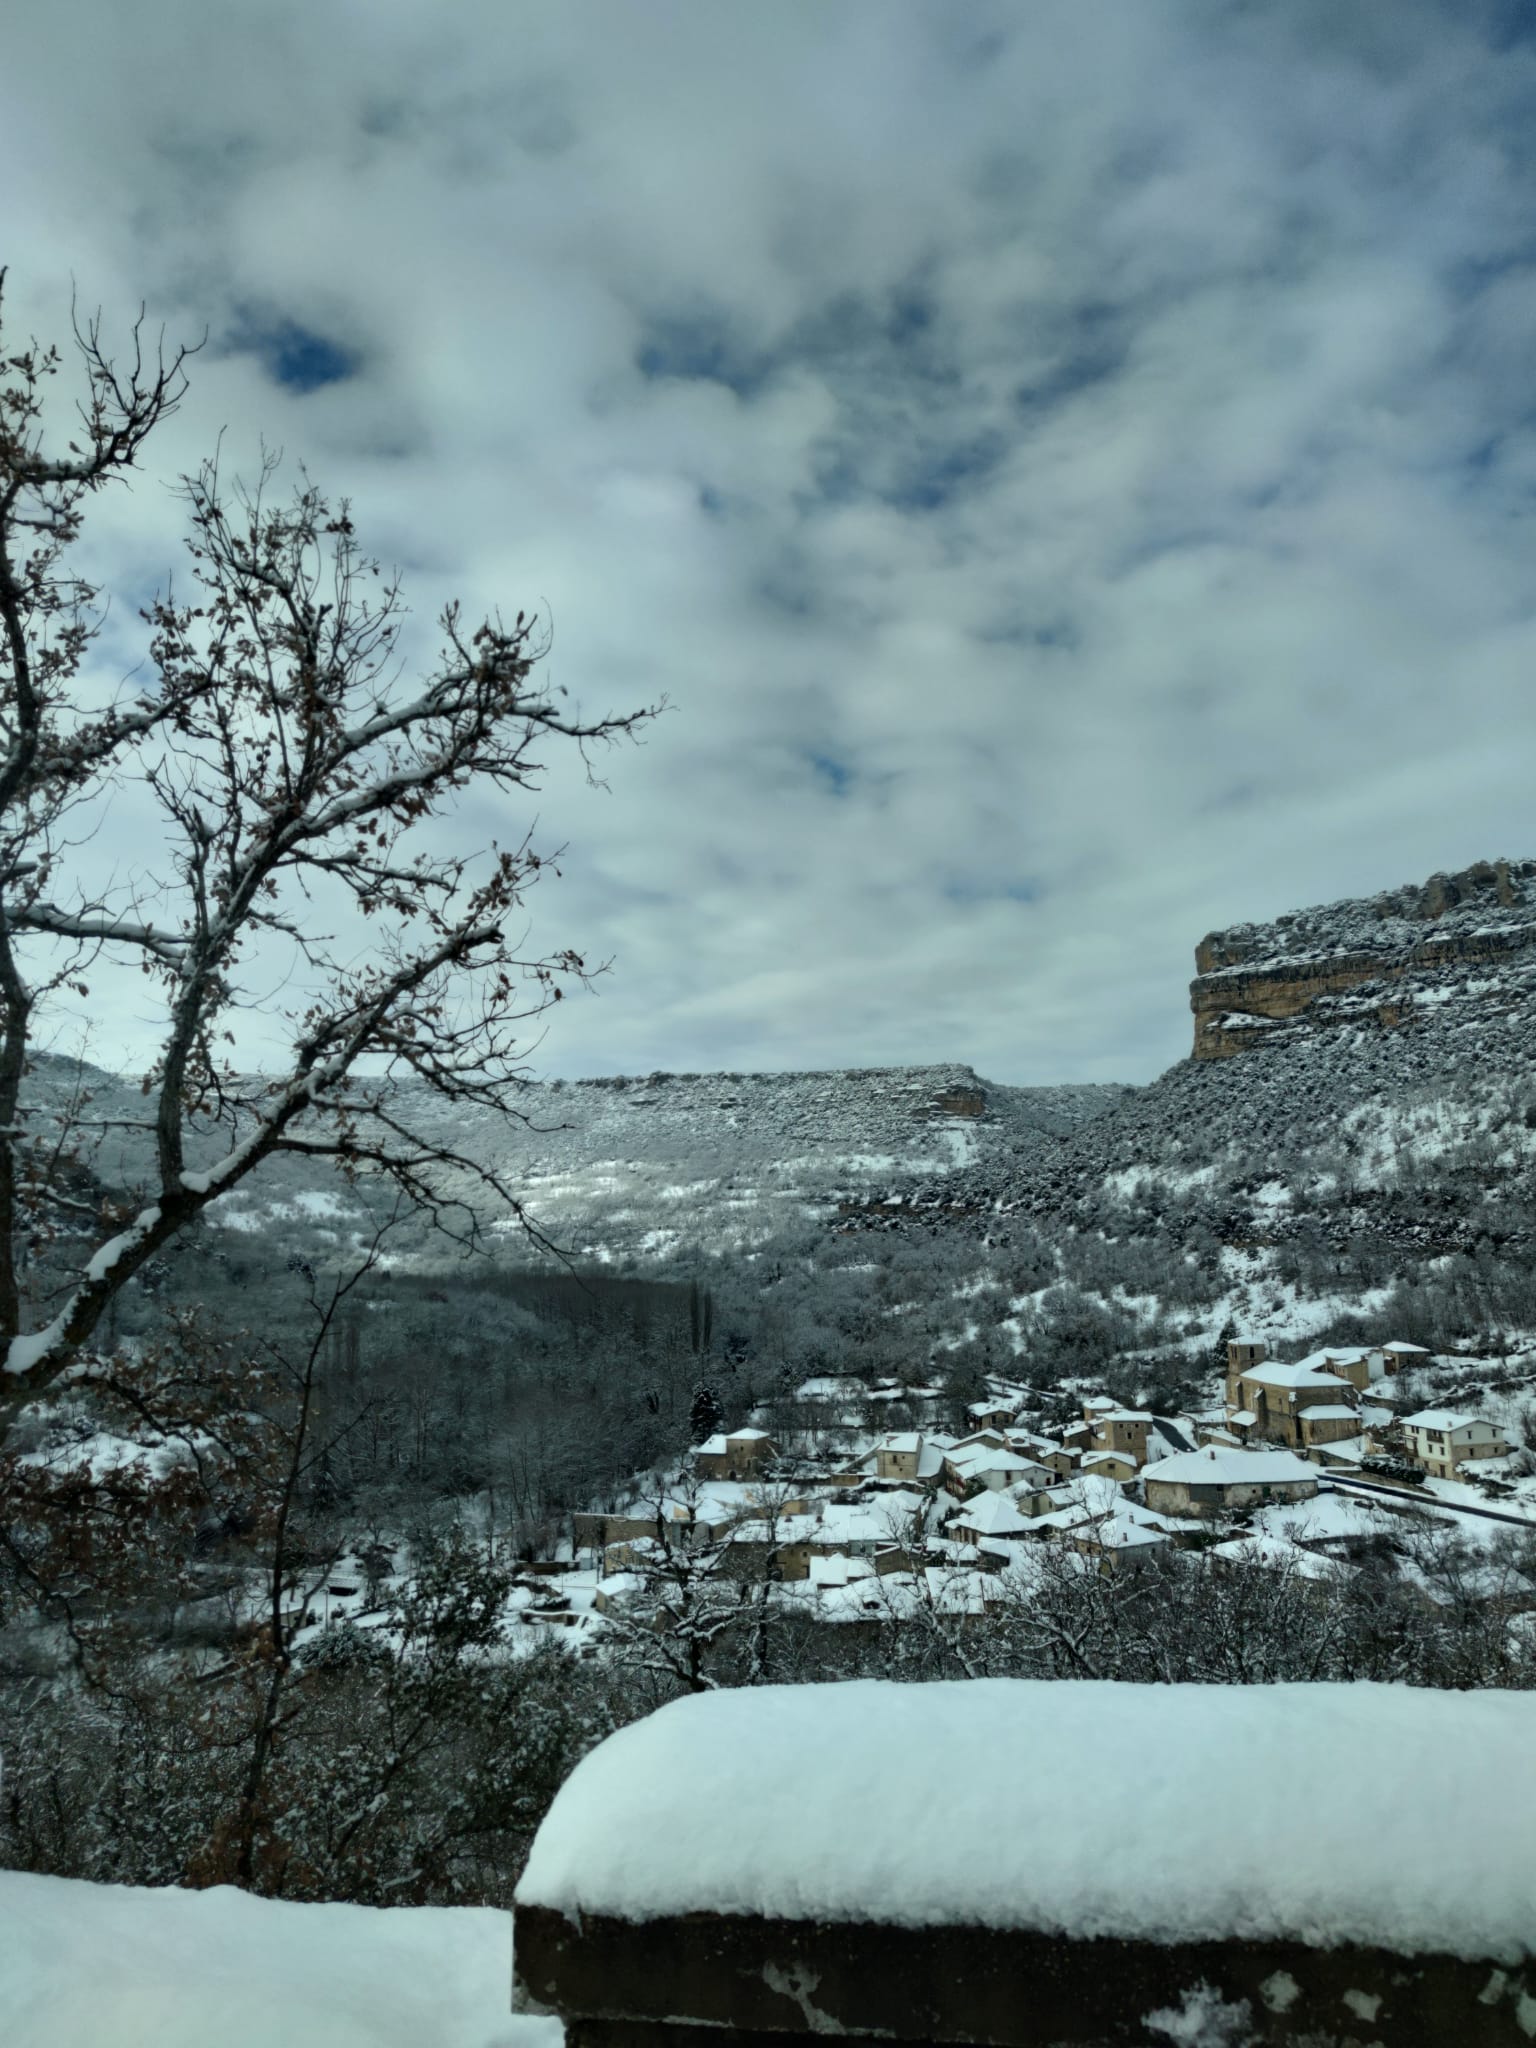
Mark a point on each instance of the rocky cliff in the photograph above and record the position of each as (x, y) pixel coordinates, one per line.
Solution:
(1382, 963)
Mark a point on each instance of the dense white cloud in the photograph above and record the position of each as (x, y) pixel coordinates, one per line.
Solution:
(1070, 468)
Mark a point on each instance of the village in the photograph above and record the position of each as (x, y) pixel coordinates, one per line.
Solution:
(1302, 1466)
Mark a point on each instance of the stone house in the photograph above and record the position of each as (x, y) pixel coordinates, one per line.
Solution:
(1124, 1430)
(1441, 1440)
(1327, 1422)
(993, 1516)
(1398, 1358)
(1118, 1465)
(784, 1543)
(1044, 1451)
(898, 1454)
(1212, 1482)
(737, 1454)
(1270, 1398)
(686, 1523)
(968, 1469)
(998, 1413)
(1350, 1362)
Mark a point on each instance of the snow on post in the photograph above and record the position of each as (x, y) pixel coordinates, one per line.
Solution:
(1384, 1816)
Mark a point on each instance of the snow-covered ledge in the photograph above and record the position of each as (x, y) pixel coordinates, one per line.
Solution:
(1029, 1863)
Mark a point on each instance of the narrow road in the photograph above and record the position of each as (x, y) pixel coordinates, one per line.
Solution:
(1413, 1496)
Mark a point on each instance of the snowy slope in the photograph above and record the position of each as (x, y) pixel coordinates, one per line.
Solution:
(635, 1167)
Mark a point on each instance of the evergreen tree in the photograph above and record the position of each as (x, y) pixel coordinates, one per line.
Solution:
(706, 1415)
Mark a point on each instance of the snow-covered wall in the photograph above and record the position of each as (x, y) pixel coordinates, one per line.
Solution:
(1381, 1815)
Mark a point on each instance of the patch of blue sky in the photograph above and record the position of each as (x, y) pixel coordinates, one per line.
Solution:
(987, 889)
(938, 476)
(831, 773)
(1092, 349)
(299, 358)
(701, 348)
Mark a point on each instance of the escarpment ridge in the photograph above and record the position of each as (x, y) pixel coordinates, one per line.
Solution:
(1379, 962)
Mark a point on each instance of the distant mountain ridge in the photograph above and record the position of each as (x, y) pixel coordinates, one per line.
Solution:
(1394, 1101)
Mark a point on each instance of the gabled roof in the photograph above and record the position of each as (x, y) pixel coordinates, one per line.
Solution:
(1443, 1418)
(1306, 1372)
(985, 1459)
(991, 1514)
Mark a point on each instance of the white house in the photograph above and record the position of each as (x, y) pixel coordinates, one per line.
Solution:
(1441, 1439)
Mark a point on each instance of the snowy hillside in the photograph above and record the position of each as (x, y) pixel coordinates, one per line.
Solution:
(636, 1167)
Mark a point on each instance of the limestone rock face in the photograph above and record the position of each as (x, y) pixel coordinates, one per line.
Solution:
(1375, 963)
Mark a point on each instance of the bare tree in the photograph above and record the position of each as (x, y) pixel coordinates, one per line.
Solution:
(298, 779)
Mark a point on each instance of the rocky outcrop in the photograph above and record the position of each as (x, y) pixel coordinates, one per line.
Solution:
(1378, 963)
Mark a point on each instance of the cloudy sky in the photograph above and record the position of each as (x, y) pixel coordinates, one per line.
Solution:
(1069, 466)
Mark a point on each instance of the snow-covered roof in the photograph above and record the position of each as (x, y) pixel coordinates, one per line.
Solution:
(881, 1520)
(1002, 1848)
(1275, 1551)
(838, 1570)
(905, 1442)
(741, 1436)
(1124, 1415)
(1331, 1411)
(1441, 1418)
(990, 1514)
(985, 1459)
(1306, 1372)
(1422, 1349)
(1120, 1533)
(1107, 1457)
(1213, 1467)
(714, 1446)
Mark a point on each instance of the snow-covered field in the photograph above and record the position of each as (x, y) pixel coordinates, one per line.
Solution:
(107, 1966)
